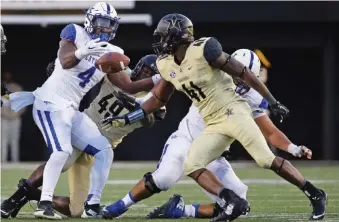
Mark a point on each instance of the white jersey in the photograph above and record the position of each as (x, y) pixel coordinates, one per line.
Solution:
(105, 105)
(67, 87)
(193, 124)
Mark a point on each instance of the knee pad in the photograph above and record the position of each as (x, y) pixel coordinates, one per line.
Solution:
(150, 184)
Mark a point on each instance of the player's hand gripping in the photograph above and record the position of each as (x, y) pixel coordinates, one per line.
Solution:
(300, 151)
(93, 47)
(279, 109)
(113, 121)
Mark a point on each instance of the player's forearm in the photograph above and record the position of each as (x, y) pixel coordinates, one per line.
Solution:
(279, 140)
(256, 84)
(138, 86)
(152, 105)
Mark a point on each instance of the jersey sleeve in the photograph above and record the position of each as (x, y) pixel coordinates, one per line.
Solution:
(260, 109)
(69, 33)
(212, 50)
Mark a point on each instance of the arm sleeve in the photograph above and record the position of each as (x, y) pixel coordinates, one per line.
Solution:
(261, 109)
(69, 33)
(212, 50)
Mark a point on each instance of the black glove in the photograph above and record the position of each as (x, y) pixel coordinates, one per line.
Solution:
(50, 68)
(160, 114)
(126, 100)
(279, 109)
(4, 89)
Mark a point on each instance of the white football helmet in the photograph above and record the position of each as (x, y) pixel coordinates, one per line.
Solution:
(251, 60)
(103, 17)
(248, 58)
(3, 40)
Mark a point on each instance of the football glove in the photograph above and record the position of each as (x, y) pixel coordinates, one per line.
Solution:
(160, 114)
(279, 109)
(121, 121)
(50, 68)
(4, 90)
(93, 47)
(126, 100)
(300, 151)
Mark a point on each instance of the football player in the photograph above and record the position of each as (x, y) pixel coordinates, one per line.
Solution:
(170, 167)
(201, 70)
(173, 208)
(55, 108)
(79, 165)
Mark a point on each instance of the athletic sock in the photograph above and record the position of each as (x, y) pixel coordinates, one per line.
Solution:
(52, 173)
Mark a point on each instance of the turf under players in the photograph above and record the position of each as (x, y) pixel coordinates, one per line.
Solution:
(203, 72)
(104, 104)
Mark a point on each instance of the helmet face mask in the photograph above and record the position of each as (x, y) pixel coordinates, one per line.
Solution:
(145, 68)
(3, 40)
(172, 31)
(102, 21)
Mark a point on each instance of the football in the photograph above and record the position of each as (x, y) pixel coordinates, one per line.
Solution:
(112, 62)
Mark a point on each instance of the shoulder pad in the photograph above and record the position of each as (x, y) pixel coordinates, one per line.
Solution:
(69, 32)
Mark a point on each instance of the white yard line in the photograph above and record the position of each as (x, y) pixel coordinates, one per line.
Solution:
(246, 181)
(152, 164)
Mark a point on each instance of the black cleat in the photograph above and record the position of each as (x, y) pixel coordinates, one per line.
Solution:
(319, 206)
(173, 208)
(13, 205)
(235, 207)
(46, 211)
(92, 211)
(7, 208)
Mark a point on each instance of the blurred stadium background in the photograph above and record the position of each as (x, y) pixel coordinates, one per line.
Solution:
(299, 39)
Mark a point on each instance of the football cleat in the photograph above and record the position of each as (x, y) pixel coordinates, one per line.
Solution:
(235, 207)
(91, 211)
(12, 206)
(114, 210)
(45, 211)
(319, 206)
(173, 208)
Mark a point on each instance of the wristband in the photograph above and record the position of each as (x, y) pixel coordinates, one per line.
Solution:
(135, 116)
(293, 149)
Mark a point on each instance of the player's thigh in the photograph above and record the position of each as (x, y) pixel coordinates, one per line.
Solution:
(170, 168)
(55, 126)
(79, 180)
(242, 127)
(204, 149)
(86, 135)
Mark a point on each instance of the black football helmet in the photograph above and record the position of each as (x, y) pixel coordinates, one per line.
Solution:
(145, 68)
(172, 31)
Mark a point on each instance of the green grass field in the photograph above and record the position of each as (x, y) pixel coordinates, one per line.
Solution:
(270, 198)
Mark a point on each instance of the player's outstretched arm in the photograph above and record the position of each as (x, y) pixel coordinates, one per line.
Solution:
(278, 139)
(218, 59)
(124, 82)
(161, 94)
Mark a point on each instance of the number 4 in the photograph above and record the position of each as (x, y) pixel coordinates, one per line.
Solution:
(86, 76)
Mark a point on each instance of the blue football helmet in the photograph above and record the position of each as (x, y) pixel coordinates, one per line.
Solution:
(101, 21)
(146, 67)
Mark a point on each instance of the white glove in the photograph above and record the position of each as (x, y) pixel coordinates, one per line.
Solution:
(156, 78)
(299, 151)
(93, 47)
